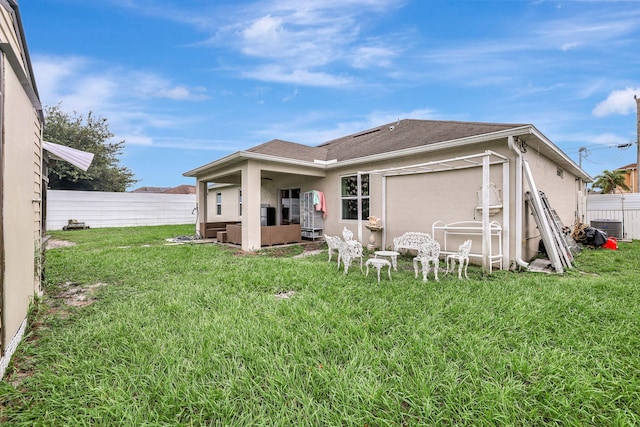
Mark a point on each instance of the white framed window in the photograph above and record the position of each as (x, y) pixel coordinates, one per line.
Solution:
(240, 202)
(354, 196)
(218, 203)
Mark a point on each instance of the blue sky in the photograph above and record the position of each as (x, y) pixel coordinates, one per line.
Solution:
(185, 82)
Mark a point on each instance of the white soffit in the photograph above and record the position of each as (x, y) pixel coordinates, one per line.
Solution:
(78, 158)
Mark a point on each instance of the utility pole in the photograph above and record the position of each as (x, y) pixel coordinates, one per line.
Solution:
(637, 143)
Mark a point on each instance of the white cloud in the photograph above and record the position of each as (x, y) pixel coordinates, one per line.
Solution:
(292, 96)
(568, 46)
(290, 41)
(82, 84)
(267, 27)
(52, 73)
(134, 102)
(148, 85)
(275, 73)
(608, 139)
(618, 102)
(373, 56)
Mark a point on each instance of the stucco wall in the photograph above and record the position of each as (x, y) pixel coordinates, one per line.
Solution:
(561, 189)
(414, 202)
(230, 204)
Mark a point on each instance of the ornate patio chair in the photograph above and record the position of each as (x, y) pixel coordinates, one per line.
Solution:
(462, 256)
(333, 243)
(428, 253)
(347, 252)
(347, 234)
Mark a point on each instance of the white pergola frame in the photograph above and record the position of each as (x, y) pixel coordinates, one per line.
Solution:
(484, 160)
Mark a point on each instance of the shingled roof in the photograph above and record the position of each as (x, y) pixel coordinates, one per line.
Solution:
(290, 150)
(387, 138)
(405, 134)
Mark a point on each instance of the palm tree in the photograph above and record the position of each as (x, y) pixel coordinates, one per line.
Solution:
(608, 181)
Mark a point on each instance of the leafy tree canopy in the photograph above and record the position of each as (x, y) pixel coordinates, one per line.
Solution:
(608, 181)
(89, 134)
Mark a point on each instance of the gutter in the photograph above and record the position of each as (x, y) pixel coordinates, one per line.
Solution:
(519, 202)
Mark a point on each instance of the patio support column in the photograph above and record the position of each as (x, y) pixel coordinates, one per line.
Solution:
(506, 215)
(384, 213)
(251, 238)
(201, 201)
(486, 232)
(359, 181)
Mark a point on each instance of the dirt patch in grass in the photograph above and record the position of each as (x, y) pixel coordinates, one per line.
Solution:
(294, 250)
(54, 243)
(75, 295)
(285, 295)
(71, 295)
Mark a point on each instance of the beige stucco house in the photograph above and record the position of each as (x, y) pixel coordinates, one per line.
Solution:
(21, 182)
(630, 177)
(454, 180)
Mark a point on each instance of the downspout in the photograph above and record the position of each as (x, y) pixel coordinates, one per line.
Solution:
(519, 190)
(359, 195)
(3, 338)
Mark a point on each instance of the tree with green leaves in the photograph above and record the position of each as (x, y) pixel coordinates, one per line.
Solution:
(608, 181)
(89, 134)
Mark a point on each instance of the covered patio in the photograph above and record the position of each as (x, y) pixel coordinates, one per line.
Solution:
(260, 181)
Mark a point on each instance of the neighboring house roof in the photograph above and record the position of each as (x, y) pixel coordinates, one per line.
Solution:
(627, 167)
(150, 190)
(78, 158)
(396, 139)
(180, 189)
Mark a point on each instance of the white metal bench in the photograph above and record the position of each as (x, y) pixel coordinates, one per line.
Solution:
(412, 240)
(453, 234)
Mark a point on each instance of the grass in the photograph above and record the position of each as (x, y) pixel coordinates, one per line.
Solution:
(198, 334)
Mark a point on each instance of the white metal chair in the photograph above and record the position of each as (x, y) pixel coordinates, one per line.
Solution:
(462, 256)
(333, 243)
(428, 253)
(347, 252)
(347, 234)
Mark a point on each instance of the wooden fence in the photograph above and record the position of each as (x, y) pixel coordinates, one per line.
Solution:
(102, 209)
(623, 209)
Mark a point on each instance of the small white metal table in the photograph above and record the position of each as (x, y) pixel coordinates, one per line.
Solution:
(391, 254)
(378, 263)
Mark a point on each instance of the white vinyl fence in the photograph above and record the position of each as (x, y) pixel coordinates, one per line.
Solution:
(623, 209)
(99, 209)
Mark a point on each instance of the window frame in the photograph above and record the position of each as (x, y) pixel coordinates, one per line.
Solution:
(359, 197)
(218, 203)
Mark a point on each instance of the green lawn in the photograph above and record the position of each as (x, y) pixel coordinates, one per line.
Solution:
(199, 334)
